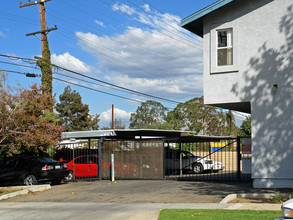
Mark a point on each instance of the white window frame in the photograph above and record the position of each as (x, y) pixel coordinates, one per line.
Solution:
(228, 46)
(214, 48)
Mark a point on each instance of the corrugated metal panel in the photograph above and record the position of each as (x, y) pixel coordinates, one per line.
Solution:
(88, 134)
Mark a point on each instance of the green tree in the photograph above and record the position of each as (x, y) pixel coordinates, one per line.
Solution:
(94, 122)
(25, 126)
(149, 115)
(194, 115)
(117, 125)
(73, 114)
(245, 128)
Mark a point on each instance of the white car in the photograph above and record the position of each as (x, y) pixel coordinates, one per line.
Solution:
(197, 164)
(287, 210)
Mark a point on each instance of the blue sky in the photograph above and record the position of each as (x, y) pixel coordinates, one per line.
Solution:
(133, 44)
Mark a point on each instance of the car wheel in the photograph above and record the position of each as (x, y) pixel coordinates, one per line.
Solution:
(69, 177)
(30, 180)
(197, 168)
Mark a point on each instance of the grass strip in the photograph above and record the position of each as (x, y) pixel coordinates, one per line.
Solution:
(211, 214)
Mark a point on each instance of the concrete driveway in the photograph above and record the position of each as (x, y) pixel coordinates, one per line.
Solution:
(139, 191)
(121, 200)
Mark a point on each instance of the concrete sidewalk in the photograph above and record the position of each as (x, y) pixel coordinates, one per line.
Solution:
(128, 199)
(110, 211)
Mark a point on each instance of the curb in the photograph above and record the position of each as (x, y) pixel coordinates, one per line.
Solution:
(231, 197)
(22, 190)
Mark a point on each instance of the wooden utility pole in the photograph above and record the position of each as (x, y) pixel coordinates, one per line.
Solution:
(45, 62)
(112, 117)
(230, 122)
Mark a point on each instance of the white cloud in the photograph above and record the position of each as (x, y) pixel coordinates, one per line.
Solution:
(123, 8)
(100, 23)
(2, 34)
(106, 117)
(160, 61)
(146, 8)
(68, 61)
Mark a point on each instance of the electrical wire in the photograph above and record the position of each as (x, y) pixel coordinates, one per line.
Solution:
(12, 17)
(133, 60)
(178, 30)
(186, 41)
(11, 71)
(89, 77)
(75, 84)
(84, 26)
(147, 69)
(134, 100)
(17, 64)
(120, 87)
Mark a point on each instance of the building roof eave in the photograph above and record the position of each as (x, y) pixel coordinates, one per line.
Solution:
(194, 22)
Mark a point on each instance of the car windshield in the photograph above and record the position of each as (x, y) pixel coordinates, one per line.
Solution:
(189, 154)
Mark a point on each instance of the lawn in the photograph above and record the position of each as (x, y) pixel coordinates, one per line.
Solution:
(218, 214)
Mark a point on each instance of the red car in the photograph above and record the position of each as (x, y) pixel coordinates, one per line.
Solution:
(88, 166)
(83, 166)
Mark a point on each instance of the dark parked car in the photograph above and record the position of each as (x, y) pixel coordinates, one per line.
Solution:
(32, 171)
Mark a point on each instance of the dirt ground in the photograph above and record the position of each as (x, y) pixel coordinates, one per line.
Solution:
(5, 190)
(138, 191)
(246, 200)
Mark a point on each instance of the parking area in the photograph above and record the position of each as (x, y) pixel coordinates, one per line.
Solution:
(138, 191)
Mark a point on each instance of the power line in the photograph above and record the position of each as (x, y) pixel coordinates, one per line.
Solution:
(65, 81)
(134, 100)
(17, 64)
(17, 18)
(108, 87)
(120, 87)
(57, 14)
(132, 60)
(148, 67)
(179, 30)
(101, 81)
(158, 10)
(22, 73)
(11, 71)
(191, 45)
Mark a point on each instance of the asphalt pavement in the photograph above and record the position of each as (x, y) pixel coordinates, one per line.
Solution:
(126, 199)
(108, 211)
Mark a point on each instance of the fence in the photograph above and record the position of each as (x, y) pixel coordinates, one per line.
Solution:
(134, 159)
(213, 161)
(82, 158)
(220, 160)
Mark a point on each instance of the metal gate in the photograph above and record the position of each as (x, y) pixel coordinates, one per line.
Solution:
(184, 159)
(82, 158)
(219, 160)
(139, 159)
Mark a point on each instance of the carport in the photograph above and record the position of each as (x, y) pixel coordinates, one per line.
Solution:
(149, 154)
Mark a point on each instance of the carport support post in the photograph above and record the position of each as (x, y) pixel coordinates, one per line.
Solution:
(180, 160)
(100, 157)
(112, 168)
(238, 160)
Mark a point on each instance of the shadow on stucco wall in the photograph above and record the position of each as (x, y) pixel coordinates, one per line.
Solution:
(272, 111)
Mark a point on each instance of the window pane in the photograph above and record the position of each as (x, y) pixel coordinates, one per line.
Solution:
(225, 56)
(222, 39)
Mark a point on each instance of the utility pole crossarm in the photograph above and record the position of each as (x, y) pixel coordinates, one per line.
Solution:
(33, 3)
(43, 31)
